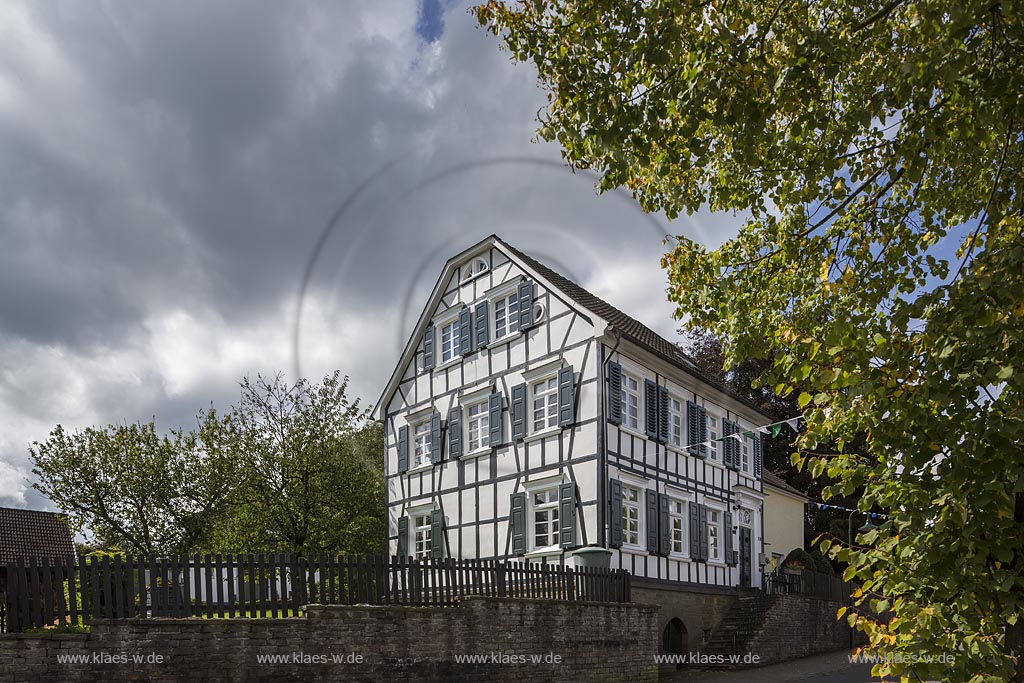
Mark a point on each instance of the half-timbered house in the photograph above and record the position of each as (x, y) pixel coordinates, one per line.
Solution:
(528, 418)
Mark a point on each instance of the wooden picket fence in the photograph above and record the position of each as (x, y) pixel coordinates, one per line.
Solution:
(273, 586)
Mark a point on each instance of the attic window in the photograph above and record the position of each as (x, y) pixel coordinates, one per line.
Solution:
(475, 268)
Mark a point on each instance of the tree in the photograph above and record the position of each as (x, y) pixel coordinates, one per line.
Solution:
(313, 475)
(707, 351)
(134, 489)
(875, 152)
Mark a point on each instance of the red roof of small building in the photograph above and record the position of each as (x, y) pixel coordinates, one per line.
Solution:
(33, 533)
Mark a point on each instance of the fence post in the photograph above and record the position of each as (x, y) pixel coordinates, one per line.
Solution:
(500, 568)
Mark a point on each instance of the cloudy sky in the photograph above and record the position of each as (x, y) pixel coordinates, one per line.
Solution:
(172, 172)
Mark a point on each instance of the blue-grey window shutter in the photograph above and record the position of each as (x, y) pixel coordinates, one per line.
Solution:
(495, 425)
(651, 520)
(615, 513)
(403, 449)
(517, 522)
(727, 532)
(693, 427)
(428, 347)
(455, 432)
(702, 431)
(517, 412)
(465, 331)
(663, 425)
(651, 409)
(567, 515)
(566, 397)
(615, 393)
(525, 304)
(482, 315)
(694, 518)
(436, 449)
(758, 456)
(731, 445)
(702, 513)
(726, 442)
(664, 525)
(403, 537)
(436, 534)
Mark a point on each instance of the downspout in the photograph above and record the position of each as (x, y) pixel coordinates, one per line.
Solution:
(602, 450)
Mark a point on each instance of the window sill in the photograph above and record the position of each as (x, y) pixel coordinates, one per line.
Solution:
(679, 556)
(448, 363)
(504, 340)
(420, 468)
(544, 552)
(542, 434)
(635, 431)
(477, 453)
(635, 549)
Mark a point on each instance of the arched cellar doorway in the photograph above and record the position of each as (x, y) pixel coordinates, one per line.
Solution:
(674, 639)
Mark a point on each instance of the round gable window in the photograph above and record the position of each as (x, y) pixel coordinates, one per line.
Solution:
(538, 312)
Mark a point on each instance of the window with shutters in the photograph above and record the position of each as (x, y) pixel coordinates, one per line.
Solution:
(631, 515)
(450, 341)
(712, 437)
(714, 535)
(744, 451)
(421, 444)
(421, 537)
(675, 423)
(630, 401)
(506, 315)
(678, 527)
(478, 427)
(544, 403)
(545, 517)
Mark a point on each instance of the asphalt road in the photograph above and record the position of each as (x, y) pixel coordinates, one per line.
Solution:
(833, 667)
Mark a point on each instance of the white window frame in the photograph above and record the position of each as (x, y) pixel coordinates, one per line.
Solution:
(683, 499)
(548, 404)
(502, 294)
(420, 543)
(719, 510)
(484, 421)
(532, 487)
(542, 374)
(477, 267)
(414, 429)
(713, 432)
(676, 438)
(638, 506)
(551, 510)
(744, 454)
(626, 392)
(448, 317)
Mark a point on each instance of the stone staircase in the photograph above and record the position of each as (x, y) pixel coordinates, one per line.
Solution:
(741, 625)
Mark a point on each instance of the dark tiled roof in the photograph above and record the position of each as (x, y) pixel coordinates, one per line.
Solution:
(33, 533)
(630, 327)
(778, 482)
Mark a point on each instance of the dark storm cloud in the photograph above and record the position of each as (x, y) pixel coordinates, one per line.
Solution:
(166, 170)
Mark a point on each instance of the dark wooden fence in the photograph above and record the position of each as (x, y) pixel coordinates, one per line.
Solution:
(269, 586)
(809, 583)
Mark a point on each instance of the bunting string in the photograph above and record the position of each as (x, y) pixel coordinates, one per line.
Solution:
(774, 428)
(840, 508)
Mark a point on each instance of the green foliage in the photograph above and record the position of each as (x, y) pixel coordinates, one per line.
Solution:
(133, 488)
(313, 478)
(799, 559)
(821, 563)
(294, 468)
(861, 144)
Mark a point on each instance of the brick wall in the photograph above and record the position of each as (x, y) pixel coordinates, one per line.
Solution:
(798, 626)
(594, 641)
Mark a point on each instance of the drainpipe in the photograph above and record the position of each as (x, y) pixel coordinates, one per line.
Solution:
(602, 449)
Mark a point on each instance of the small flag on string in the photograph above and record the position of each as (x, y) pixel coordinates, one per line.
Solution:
(776, 430)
